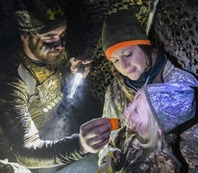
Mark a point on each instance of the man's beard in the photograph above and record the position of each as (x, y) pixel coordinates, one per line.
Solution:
(44, 58)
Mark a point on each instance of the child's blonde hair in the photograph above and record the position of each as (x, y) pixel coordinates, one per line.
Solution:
(153, 129)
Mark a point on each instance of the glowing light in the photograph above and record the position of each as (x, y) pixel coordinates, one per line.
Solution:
(77, 79)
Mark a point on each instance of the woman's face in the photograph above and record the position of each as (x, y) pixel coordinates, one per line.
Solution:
(129, 61)
(137, 115)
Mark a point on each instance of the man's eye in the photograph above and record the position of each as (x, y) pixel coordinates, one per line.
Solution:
(50, 40)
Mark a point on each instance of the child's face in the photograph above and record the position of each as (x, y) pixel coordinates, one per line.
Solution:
(136, 115)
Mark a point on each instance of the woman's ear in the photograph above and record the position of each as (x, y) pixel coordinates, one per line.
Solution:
(25, 38)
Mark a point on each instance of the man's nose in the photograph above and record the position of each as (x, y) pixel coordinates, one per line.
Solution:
(59, 45)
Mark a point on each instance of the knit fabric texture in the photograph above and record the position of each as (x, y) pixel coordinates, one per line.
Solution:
(172, 104)
(122, 29)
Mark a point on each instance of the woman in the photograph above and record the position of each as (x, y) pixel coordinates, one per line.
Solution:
(136, 60)
(141, 145)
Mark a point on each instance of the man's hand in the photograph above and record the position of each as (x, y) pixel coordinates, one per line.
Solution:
(94, 135)
(75, 63)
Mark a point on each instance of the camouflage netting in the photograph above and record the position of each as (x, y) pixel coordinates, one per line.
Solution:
(91, 14)
(175, 27)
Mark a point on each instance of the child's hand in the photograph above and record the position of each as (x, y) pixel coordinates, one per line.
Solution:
(111, 162)
(106, 167)
(117, 157)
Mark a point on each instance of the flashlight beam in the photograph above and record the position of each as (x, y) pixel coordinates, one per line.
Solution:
(77, 79)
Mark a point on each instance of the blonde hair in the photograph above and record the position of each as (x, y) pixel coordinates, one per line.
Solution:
(155, 140)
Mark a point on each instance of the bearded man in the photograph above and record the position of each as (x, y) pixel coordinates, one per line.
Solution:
(30, 93)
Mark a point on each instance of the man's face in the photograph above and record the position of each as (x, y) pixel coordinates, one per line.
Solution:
(46, 48)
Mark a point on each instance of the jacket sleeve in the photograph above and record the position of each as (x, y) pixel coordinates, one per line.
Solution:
(158, 161)
(189, 147)
(107, 151)
(176, 75)
(165, 161)
(22, 133)
(108, 110)
(114, 145)
(115, 100)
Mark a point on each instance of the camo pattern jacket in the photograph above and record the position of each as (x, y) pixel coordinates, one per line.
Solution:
(135, 158)
(29, 95)
(118, 96)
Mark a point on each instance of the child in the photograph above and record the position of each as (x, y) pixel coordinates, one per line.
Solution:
(141, 146)
(136, 60)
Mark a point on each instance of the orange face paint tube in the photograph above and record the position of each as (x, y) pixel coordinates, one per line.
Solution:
(115, 123)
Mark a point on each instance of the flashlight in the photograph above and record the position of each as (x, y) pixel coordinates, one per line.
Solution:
(77, 79)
